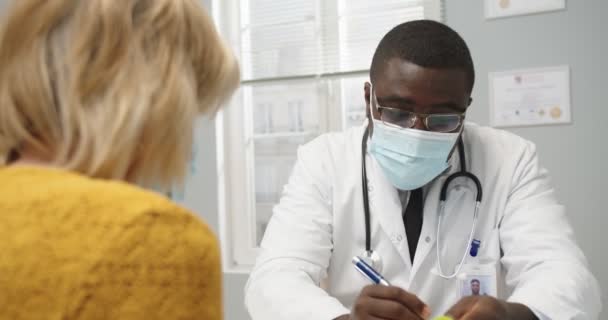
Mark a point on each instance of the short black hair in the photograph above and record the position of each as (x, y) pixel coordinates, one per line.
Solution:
(426, 43)
(475, 280)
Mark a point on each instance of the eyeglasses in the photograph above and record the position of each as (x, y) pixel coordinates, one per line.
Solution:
(436, 122)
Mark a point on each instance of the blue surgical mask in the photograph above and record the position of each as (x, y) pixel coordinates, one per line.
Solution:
(410, 158)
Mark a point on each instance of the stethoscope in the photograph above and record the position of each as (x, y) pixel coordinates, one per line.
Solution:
(372, 258)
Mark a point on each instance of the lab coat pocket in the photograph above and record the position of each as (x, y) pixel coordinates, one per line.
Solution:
(456, 224)
(490, 246)
(482, 273)
(493, 254)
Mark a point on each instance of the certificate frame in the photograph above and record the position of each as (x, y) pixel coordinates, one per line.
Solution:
(561, 113)
(495, 9)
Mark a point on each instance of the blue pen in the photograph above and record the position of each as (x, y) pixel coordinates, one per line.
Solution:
(369, 272)
(475, 244)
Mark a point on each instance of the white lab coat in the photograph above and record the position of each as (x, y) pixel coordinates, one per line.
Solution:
(318, 227)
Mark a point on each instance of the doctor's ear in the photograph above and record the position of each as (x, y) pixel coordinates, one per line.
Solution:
(470, 101)
(367, 89)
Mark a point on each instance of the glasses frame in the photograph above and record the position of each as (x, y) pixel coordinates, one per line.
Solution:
(418, 117)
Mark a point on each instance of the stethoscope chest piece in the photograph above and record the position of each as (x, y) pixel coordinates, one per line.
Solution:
(373, 259)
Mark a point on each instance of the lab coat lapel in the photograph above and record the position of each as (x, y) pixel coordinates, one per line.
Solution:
(386, 208)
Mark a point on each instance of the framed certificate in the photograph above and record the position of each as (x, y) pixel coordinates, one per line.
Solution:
(530, 97)
(506, 8)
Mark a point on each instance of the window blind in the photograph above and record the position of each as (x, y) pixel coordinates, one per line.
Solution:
(294, 38)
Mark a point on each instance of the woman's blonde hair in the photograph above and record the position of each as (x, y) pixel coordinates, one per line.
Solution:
(110, 88)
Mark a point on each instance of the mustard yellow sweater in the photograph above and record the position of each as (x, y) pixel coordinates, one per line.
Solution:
(72, 247)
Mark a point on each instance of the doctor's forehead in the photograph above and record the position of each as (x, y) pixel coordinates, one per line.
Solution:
(427, 86)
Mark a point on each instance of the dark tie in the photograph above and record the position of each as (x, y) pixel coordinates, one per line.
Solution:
(412, 219)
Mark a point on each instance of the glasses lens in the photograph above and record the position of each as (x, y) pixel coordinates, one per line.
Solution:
(443, 122)
(397, 117)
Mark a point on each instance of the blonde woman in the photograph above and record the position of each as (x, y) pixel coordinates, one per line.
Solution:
(98, 97)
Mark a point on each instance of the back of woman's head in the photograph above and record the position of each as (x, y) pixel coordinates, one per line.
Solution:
(110, 88)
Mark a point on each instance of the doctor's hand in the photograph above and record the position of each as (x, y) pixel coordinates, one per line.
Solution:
(489, 308)
(391, 303)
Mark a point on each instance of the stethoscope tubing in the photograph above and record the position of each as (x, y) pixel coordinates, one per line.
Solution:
(442, 199)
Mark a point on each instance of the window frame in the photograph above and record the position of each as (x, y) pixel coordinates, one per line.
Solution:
(235, 165)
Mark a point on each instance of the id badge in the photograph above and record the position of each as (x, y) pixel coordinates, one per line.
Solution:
(479, 279)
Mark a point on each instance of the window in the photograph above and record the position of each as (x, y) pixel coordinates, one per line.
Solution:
(304, 64)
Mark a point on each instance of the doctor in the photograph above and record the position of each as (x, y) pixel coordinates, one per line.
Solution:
(518, 241)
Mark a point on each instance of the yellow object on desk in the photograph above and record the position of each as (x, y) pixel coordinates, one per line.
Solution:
(443, 318)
